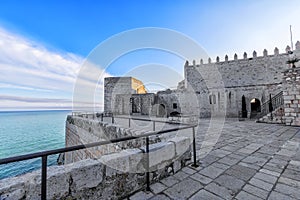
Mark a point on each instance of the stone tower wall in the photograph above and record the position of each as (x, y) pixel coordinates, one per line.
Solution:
(254, 77)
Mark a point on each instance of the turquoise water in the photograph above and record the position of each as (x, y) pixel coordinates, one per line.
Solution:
(29, 132)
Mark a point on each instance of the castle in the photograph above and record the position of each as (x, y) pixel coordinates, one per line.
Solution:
(233, 88)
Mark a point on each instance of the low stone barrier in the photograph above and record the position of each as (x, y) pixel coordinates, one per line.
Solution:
(112, 176)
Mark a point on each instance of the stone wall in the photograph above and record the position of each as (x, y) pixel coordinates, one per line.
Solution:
(80, 130)
(113, 176)
(255, 77)
(291, 96)
(120, 85)
(161, 104)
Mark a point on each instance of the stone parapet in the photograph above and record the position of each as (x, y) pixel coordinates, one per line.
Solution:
(113, 176)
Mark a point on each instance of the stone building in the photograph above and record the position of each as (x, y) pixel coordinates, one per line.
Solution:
(241, 89)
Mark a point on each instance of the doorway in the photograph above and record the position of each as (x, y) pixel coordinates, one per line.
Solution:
(255, 105)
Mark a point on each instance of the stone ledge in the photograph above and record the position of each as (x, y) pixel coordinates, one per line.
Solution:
(91, 179)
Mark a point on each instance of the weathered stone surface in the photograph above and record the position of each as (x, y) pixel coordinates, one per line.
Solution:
(279, 196)
(256, 191)
(141, 196)
(169, 181)
(182, 144)
(211, 172)
(230, 182)
(203, 194)
(241, 172)
(183, 189)
(244, 195)
(202, 179)
(220, 190)
(288, 190)
(86, 174)
(261, 184)
(266, 177)
(12, 188)
(157, 188)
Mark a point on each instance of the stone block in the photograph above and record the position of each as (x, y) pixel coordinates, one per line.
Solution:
(12, 188)
(182, 144)
(130, 160)
(86, 174)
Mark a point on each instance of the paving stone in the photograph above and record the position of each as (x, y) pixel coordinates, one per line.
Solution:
(169, 181)
(292, 174)
(183, 189)
(255, 160)
(202, 179)
(229, 160)
(261, 184)
(250, 165)
(189, 170)
(244, 195)
(220, 190)
(266, 177)
(256, 191)
(220, 165)
(141, 196)
(231, 148)
(181, 175)
(289, 182)
(237, 156)
(211, 172)
(220, 153)
(230, 182)
(241, 172)
(160, 197)
(272, 165)
(203, 194)
(279, 196)
(247, 151)
(266, 171)
(285, 189)
(273, 169)
(209, 159)
(157, 188)
(294, 165)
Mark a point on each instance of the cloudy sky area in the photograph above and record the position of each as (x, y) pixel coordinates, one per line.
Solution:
(43, 45)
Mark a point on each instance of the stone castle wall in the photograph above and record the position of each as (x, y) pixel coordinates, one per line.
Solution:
(255, 77)
(114, 86)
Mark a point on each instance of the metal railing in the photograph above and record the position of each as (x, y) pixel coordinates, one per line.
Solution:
(277, 101)
(44, 154)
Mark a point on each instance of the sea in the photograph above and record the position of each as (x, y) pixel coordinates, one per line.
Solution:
(27, 132)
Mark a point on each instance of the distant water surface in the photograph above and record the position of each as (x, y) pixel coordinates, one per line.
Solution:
(29, 132)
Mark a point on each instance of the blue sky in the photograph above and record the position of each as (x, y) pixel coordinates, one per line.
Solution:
(44, 43)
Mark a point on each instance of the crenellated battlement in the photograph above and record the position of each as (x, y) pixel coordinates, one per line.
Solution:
(245, 56)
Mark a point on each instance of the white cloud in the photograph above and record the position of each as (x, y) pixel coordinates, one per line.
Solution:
(28, 69)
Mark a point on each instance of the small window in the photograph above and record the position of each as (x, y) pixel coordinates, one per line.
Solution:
(214, 97)
(174, 105)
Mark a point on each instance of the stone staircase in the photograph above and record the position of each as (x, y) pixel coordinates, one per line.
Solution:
(277, 115)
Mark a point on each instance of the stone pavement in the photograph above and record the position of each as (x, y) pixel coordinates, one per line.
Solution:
(249, 161)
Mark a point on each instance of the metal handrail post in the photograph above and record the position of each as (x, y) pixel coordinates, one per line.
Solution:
(147, 164)
(194, 149)
(44, 178)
